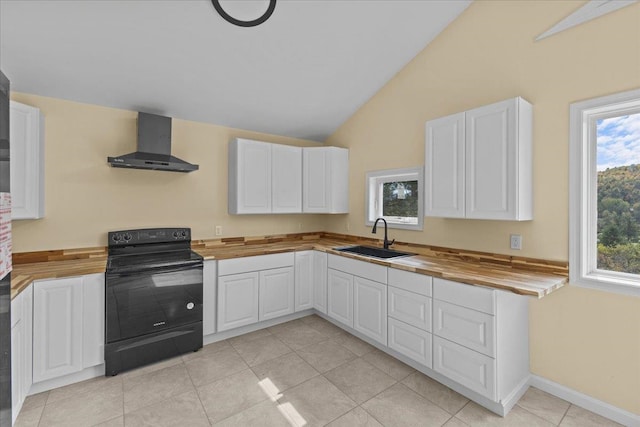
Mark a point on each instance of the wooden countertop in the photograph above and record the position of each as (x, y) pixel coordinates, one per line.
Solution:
(523, 276)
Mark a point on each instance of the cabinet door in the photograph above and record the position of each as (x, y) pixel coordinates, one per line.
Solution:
(370, 309)
(445, 167)
(93, 320)
(304, 281)
(320, 281)
(17, 368)
(286, 184)
(276, 293)
(210, 278)
(491, 179)
(316, 193)
(27, 333)
(27, 165)
(237, 300)
(57, 328)
(249, 177)
(467, 367)
(410, 341)
(340, 296)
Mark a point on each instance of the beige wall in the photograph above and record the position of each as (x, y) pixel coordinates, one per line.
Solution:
(586, 340)
(86, 198)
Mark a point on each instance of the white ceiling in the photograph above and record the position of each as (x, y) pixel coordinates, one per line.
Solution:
(301, 74)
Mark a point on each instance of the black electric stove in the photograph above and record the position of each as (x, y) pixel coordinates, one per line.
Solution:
(153, 301)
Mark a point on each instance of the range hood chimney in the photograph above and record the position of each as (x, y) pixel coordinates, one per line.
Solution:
(154, 147)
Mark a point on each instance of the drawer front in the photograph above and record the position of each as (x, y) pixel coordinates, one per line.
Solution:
(469, 328)
(255, 263)
(467, 367)
(411, 308)
(475, 297)
(368, 270)
(413, 282)
(410, 341)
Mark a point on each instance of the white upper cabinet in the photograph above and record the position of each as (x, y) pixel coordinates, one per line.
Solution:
(264, 177)
(27, 161)
(286, 179)
(325, 184)
(478, 163)
(444, 162)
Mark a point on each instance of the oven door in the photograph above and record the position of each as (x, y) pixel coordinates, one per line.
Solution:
(148, 301)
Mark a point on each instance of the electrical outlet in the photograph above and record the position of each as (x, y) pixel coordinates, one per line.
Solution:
(218, 230)
(516, 242)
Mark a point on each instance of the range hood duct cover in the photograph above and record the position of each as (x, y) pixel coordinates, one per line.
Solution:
(154, 147)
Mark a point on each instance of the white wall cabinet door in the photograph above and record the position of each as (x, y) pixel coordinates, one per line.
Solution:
(445, 167)
(304, 282)
(325, 182)
(237, 300)
(320, 281)
(209, 294)
(286, 182)
(370, 309)
(276, 293)
(340, 296)
(249, 177)
(27, 161)
(495, 136)
(57, 328)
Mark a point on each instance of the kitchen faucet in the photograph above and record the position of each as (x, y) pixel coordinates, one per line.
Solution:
(386, 242)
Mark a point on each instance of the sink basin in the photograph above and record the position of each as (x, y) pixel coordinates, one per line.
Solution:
(374, 252)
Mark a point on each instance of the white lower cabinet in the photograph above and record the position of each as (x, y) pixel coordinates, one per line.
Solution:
(209, 296)
(340, 296)
(467, 367)
(255, 288)
(68, 325)
(304, 286)
(370, 309)
(410, 308)
(276, 295)
(21, 349)
(237, 300)
(410, 341)
(320, 281)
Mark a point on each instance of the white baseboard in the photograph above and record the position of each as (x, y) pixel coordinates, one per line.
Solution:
(587, 402)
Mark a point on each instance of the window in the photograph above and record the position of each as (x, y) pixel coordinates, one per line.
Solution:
(604, 217)
(396, 196)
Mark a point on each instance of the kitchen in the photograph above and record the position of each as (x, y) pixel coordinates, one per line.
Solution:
(465, 67)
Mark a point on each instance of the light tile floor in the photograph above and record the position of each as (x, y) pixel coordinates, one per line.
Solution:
(306, 372)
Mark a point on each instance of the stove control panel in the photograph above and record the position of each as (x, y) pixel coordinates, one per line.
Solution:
(149, 235)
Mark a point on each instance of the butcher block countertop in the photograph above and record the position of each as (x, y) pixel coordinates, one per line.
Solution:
(523, 276)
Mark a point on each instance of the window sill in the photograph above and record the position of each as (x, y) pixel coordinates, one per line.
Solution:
(396, 225)
(603, 281)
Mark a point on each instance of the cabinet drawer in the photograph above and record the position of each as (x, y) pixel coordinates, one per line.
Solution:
(255, 263)
(410, 341)
(469, 328)
(414, 282)
(368, 270)
(467, 367)
(475, 297)
(411, 308)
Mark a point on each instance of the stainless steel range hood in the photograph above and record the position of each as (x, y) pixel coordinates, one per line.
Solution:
(154, 147)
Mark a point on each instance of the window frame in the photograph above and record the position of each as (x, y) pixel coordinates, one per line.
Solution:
(583, 197)
(375, 178)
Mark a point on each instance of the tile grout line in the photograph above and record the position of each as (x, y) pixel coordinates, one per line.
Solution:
(565, 414)
(535, 415)
(197, 392)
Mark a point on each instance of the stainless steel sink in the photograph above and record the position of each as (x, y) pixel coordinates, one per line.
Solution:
(371, 251)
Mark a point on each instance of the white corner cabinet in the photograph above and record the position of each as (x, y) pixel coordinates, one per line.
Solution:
(264, 177)
(27, 161)
(325, 183)
(68, 325)
(21, 348)
(478, 163)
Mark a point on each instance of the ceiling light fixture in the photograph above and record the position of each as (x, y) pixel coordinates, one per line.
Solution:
(234, 21)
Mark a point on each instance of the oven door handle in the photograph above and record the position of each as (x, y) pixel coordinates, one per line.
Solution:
(151, 270)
